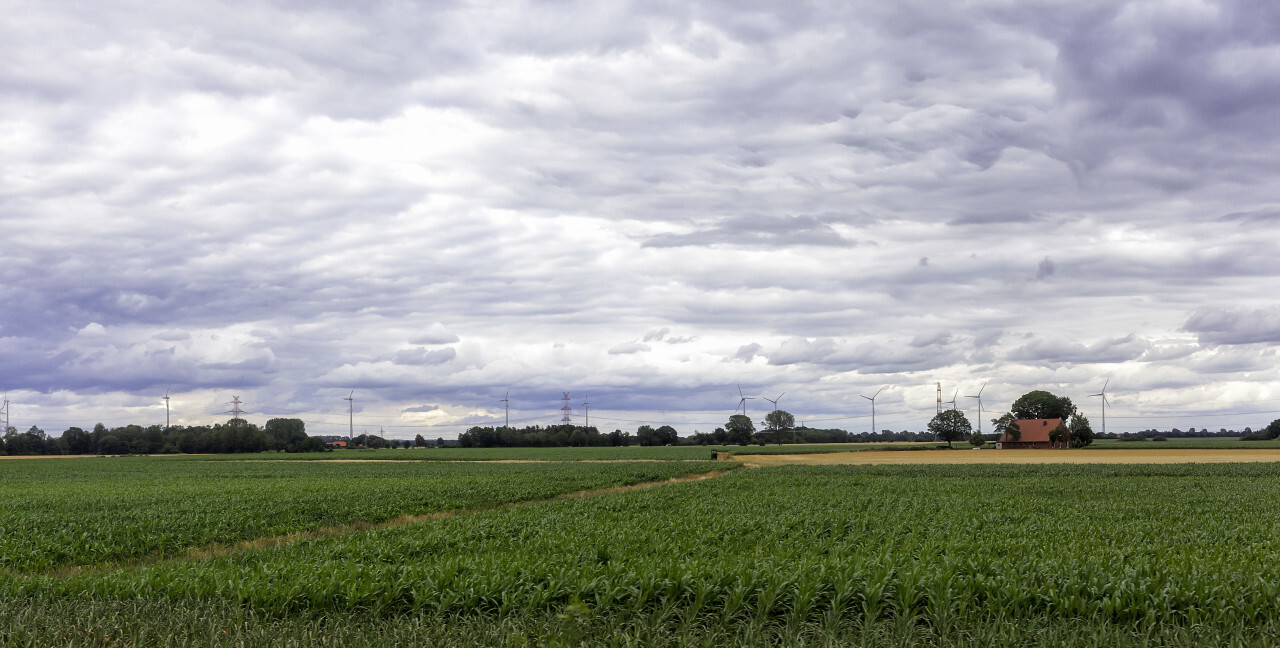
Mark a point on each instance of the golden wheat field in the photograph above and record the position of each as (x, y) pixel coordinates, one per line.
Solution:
(1123, 455)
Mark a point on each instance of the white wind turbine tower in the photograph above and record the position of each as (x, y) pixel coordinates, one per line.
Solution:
(872, 398)
(166, 408)
(351, 418)
(742, 402)
(506, 403)
(979, 397)
(1103, 394)
(953, 399)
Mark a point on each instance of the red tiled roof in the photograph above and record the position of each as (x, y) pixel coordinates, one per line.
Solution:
(1033, 430)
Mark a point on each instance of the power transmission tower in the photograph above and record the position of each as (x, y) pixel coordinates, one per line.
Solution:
(566, 409)
(6, 415)
(235, 411)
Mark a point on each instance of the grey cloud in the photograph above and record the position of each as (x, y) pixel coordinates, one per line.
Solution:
(797, 350)
(1059, 350)
(1258, 216)
(1045, 269)
(1235, 326)
(435, 334)
(421, 409)
(627, 348)
(867, 358)
(933, 339)
(757, 231)
(656, 335)
(1232, 360)
(991, 219)
(747, 352)
(422, 356)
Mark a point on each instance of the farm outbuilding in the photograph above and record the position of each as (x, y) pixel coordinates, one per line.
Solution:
(1034, 434)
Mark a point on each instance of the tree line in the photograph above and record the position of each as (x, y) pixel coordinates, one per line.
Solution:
(236, 435)
(739, 430)
(536, 436)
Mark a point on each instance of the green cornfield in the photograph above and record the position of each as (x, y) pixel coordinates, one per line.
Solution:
(1017, 555)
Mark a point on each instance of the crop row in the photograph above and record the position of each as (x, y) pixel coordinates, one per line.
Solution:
(91, 511)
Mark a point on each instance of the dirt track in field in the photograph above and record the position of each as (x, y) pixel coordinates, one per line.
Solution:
(1124, 455)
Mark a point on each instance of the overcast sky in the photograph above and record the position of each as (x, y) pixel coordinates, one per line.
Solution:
(644, 205)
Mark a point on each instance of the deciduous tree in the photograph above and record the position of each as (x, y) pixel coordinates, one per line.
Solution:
(1006, 425)
(950, 425)
(779, 421)
(1081, 431)
(1042, 405)
(739, 429)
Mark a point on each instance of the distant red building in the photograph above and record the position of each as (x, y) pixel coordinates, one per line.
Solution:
(1034, 434)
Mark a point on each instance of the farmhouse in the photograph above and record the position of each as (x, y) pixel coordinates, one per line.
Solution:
(1035, 434)
(336, 444)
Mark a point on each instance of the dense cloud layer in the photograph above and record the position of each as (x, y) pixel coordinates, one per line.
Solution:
(434, 203)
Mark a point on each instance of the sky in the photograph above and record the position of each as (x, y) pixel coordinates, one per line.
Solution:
(649, 206)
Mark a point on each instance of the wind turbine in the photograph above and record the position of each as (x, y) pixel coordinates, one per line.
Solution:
(953, 398)
(586, 408)
(1103, 394)
(166, 408)
(872, 398)
(979, 397)
(743, 400)
(351, 417)
(506, 402)
(775, 400)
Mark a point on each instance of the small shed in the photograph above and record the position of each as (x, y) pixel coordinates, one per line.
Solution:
(1034, 434)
